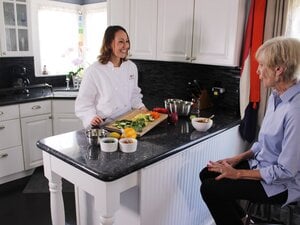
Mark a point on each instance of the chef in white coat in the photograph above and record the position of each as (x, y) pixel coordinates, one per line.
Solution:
(109, 87)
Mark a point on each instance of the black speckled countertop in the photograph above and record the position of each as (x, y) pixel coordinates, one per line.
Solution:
(32, 93)
(160, 142)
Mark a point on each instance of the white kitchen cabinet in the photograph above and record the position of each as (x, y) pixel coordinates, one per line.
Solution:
(64, 119)
(142, 29)
(11, 157)
(15, 33)
(36, 124)
(197, 31)
(118, 13)
(139, 18)
(175, 30)
(200, 31)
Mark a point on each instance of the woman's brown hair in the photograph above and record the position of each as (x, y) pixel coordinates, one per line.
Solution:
(109, 35)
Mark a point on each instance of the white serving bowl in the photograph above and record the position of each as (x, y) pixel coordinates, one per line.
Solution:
(109, 144)
(128, 144)
(202, 123)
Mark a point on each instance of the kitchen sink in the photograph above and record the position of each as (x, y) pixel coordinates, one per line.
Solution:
(63, 92)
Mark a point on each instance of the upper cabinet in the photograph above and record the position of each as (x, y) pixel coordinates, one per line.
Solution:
(15, 28)
(194, 31)
(175, 30)
(201, 31)
(139, 18)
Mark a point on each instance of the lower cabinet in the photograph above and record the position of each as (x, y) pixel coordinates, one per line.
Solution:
(22, 125)
(36, 123)
(11, 154)
(64, 119)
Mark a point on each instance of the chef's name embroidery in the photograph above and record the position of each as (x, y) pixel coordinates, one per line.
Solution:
(131, 76)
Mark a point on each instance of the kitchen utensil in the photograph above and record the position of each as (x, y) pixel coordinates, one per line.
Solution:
(94, 134)
(130, 115)
(181, 107)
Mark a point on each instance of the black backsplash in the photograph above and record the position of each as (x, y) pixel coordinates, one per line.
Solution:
(158, 80)
(161, 80)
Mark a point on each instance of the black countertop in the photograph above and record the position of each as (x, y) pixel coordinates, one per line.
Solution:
(160, 142)
(32, 93)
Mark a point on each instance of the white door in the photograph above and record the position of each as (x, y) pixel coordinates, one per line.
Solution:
(33, 129)
(118, 13)
(143, 29)
(218, 31)
(63, 123)
(15, 28)
(175, 29)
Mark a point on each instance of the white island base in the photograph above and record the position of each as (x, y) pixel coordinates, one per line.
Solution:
(164, 193)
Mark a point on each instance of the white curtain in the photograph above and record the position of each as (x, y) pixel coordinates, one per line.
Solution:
(275, 25)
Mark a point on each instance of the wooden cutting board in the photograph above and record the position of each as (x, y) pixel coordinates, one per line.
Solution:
(130, 115)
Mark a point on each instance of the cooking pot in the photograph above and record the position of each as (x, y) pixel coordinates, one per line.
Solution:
(181, 107)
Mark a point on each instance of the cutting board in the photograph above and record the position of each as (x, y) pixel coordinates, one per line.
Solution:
(133, 113)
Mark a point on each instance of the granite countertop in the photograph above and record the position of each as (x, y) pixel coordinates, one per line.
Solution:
(35, 93)
(160, 142)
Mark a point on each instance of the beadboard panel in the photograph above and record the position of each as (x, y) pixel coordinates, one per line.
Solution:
(170, 188)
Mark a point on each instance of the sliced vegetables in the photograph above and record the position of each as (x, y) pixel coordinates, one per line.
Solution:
(138, 122)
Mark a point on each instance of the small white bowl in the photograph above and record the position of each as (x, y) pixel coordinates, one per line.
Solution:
(109, 144)
(128, 144)
(202, 123)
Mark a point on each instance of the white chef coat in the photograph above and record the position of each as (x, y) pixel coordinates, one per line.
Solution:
(108, 91)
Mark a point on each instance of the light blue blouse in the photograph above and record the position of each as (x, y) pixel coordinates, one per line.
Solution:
(277, 151)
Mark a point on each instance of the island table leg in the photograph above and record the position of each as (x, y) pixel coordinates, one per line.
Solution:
(104, 220)
(56, 200)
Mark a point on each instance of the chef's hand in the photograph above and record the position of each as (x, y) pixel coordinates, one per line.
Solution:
(143, 108)
(224, 168)
(97, 120)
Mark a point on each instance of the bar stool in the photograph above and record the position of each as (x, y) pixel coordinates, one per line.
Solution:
(268, 221)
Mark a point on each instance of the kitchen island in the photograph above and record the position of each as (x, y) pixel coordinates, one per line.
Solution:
(157, 184)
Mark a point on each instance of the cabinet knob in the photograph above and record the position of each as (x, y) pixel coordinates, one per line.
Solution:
(193, 58)
(2, 127)
(3, 155)
(3, 53)
(187, 57)
(1, 113)
(35, 107)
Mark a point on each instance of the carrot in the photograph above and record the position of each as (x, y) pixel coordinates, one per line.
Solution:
(155, 115)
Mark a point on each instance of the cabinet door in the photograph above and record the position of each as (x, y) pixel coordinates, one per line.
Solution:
(64, 119)
(15, 34)
(33, 129)
(218, 31)
(118, 13)
(10, 134)
(175, 29)
(143, 29)
(63, 123)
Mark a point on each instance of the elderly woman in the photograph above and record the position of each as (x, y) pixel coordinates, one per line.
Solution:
(110, 86)
(269, 172)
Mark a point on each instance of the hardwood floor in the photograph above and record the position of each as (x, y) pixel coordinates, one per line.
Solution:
(23, 208)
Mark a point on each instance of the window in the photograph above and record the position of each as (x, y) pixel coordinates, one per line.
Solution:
(293, 21)
(66, 36)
